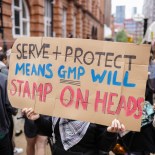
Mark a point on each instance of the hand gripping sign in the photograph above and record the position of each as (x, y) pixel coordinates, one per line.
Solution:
(79, 79)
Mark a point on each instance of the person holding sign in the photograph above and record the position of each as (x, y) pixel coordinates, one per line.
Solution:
(93, 80)
(72, 137)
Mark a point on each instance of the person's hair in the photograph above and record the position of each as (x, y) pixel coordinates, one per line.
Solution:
(70, 35)
(3, 56)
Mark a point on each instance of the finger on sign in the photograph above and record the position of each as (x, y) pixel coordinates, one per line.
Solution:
(122, 127)
(118, 125)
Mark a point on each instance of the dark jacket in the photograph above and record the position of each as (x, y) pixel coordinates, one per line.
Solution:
(148, 93)
(96, 139)
(6, 109)
(143, 141)
(4, 121)
(3, 83)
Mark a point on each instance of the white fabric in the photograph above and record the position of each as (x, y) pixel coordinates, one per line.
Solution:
(71, 132)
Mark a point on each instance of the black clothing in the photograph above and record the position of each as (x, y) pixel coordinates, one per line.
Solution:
(9, 110)
(143, 141)
(3, 84)
(30, 128)
(4, 121)
(5, 148)
(5, 142)
(95, 140)
(148, 94)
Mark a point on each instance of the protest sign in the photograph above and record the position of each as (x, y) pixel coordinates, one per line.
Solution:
(79, 79)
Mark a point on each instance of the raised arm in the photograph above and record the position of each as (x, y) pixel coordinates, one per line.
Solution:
(107, 136)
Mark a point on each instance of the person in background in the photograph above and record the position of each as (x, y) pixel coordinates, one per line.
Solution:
(3, 60)
(149, 38)
(17, 125)
(10, 110)
(150, 87)
(70, 35)
(5, 141)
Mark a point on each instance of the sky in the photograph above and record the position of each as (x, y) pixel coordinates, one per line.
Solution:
(128, 6)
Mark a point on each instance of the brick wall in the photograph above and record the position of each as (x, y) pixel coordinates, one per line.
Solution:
(36, 17)
(89, 13)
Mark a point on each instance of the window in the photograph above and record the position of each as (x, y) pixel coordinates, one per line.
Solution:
(21, 23)
(48, 18)
(64, 13)
(134, 11)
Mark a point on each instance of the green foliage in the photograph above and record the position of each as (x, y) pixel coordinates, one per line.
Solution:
(139, 40)
(121, 36)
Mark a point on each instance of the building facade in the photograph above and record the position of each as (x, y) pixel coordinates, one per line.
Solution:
(107, 12)
(149, 11)
(120, 14)
(58, 18)
(134, 29)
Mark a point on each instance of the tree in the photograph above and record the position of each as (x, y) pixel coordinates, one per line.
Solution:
(121, 36)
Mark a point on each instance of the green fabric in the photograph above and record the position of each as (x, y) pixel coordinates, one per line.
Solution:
(2, 136)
